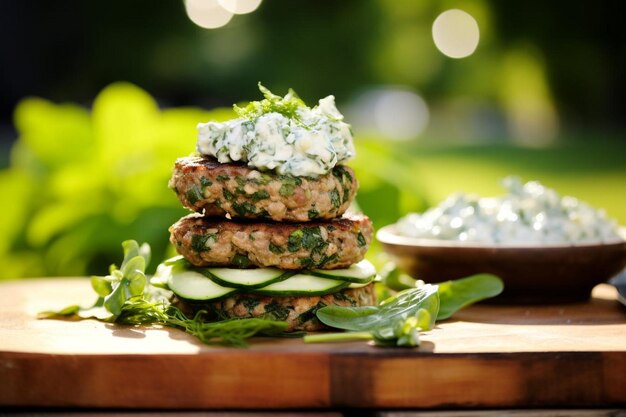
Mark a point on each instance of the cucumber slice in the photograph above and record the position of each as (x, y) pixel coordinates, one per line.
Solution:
(302, 284)
(361, 273)
(193, 285)
(360, 284)
(246, 278)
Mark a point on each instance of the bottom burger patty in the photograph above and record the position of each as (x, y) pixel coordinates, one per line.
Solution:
(298, 312)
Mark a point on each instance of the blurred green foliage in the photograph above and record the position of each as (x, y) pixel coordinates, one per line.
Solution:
(81, 182)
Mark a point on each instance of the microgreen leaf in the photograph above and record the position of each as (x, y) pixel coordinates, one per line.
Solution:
(101, 286)
(114, 301)
(132, 250)
(134, 272)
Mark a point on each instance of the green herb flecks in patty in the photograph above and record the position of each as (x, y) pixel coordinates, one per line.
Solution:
(228, 195)
(205, 182)
(310, 313)
(289, 184)
(250, 304)
(335, 199)
(360, 240)
(260, 195)
(294, 242)
(240, 261)
(340, 296)
(305, 262)
(344, 177)
(199, 242)
(327, 259)
(276, 249)
(194, 194)
(311, 239)
(244, 208)
(276, 311)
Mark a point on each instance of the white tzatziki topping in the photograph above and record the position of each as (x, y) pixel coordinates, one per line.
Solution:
(529, 213)
(281, 134)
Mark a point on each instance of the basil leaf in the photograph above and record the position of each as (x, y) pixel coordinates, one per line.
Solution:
(456, 294)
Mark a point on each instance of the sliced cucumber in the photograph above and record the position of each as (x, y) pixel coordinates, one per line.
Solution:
(246, 278)
(212, 284)
(360, 284)
(302, 284)
(360, 273)
(193, 285)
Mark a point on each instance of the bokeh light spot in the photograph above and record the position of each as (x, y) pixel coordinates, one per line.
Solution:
(240, 6)
(393, 112)
(456, 33)
(208, 14)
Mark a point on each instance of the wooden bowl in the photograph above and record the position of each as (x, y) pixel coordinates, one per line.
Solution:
(532, 274)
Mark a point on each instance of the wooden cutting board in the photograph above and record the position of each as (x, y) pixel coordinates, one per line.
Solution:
(486, 356)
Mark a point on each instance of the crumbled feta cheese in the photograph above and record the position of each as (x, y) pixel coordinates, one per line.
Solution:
(309, 145)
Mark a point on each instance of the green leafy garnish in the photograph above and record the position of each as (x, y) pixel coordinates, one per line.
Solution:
(127, 282)
(232, 332)
(126, 297)
(288, 106)
(398, 320)
(456, 294)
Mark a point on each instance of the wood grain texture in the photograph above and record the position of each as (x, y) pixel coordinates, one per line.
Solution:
(487, 356)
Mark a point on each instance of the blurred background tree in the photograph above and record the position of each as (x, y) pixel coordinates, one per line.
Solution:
(540, 97)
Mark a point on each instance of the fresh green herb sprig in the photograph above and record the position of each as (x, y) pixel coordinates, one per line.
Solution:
(398, 320)
(126, 297)
(126, 282)
(288, 106)
(233, 332)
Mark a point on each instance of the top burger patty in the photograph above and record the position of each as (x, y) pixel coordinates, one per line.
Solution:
(329, 244)
(203, 184)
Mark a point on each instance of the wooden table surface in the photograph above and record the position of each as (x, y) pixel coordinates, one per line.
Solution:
(486, 356)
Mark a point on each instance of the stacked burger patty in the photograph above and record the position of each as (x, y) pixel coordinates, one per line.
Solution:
(246, 218)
